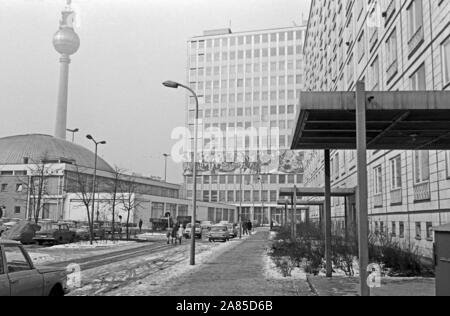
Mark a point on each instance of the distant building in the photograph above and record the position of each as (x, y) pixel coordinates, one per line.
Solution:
(391, 45)
(246, 81)
(60, 172)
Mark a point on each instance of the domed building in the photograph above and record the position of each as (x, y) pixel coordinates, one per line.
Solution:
(49, 179)
(35, 148)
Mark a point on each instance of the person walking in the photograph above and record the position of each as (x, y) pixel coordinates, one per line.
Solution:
(180, 234)
(140, 225)
(249, 227)
(174, 232)
(244, 228)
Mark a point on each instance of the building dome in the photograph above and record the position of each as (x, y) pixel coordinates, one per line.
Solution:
(35, 147)
(66, 41)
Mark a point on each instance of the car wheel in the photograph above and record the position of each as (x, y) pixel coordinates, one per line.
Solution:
(57, 291)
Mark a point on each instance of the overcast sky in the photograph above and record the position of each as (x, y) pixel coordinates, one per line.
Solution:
(128, 47)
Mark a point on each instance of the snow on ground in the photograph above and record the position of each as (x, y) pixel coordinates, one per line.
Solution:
(152, 236)
(95, 245)
(157, 282)
(273, 273)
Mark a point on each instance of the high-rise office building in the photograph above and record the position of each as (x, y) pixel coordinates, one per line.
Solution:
(248, 85)
(391, 45)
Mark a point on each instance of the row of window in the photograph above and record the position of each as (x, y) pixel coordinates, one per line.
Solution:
(254, 81)
(249, 111)
(399, 231)
(235, 196)
(18, 187)
(216, 215)
(248, 179)
(199, 60)
(247, 39)
(250, 69)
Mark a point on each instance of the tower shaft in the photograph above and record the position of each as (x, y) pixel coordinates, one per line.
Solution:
(61, 111)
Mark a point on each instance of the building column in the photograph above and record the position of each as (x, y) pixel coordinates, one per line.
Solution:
(328, 215)
(363, 229)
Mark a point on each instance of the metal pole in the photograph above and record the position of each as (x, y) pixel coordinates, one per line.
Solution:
(240, 203)
(294, 212)
(362, 186)
(93, 192)
(328, 214)
(194, 211)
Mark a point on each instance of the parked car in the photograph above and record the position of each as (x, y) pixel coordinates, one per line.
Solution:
(117, 228)
(232, 230)
(23, 231)
(82, 233)
(206, 225)
(58, 234)
(188, 231)
(224, 222)
(219, 232)
(20, 277)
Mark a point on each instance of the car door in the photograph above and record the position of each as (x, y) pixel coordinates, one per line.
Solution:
(24, 279)
(4, 281)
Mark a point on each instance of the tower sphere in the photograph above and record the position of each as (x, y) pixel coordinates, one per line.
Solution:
(66, 41)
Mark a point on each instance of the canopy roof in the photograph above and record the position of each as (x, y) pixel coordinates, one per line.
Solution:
(316, 192)
(410, 120)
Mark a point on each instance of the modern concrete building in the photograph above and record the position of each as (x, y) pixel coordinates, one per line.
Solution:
(391, 45)
(61, 173)
(248, 84)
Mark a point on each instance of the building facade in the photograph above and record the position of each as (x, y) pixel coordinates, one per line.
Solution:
(391, 45)
(51, 179)
(247, 84)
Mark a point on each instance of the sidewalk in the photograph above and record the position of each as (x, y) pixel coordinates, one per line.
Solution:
(239, 271)
(349, 286)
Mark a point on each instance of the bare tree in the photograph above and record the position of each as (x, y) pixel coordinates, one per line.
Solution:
(128, 199)
(37, 187)
(80, 183)
(115, 185)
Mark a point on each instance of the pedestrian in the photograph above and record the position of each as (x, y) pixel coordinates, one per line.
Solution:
(140, 225)
(174, 232)
(180, 234)
(250, 227)
(244, 228)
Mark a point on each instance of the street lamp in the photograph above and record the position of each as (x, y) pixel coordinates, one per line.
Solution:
(165, 166)
(94, 182)
(73, 131)
(176, 85)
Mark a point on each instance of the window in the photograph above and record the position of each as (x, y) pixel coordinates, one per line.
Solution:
(16, 260)
(391, 52)
(448, 163)
(429, 231)
(378, 181)
(396, 173)
(375, 75)
(446, 62)
(230, 196)
(418, 231)
(205, 196)
(415, 18)
(417, 80)
(4, 187)
(16, 209)
(421, 167)
(394, 229)
(401, 229)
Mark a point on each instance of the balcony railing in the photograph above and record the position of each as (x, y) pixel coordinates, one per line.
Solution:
(396, 196)
(378, 200)
(422, 192)
(415, 41)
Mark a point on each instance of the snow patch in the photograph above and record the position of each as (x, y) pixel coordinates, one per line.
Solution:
(95, 245)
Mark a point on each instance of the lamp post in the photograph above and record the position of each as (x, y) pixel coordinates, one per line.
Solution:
(165, 166)
(73, 131)
(94, 182)
(176, 85)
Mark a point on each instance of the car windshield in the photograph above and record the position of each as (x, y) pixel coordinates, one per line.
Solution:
(219, 228)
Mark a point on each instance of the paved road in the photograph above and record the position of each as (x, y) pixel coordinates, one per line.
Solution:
(237, 272)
